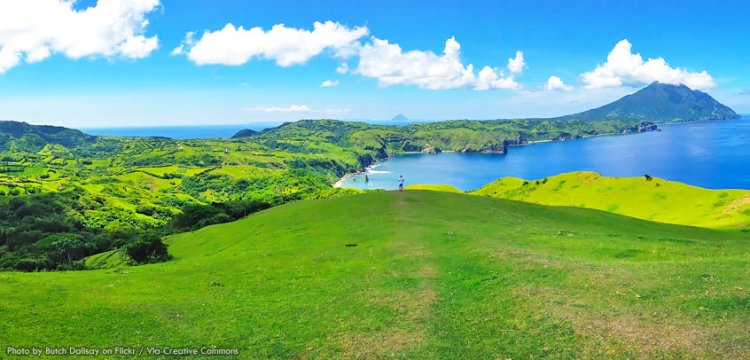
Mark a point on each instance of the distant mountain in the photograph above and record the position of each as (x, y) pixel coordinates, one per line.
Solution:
(660, 103)
(400, 117)
(28, 137)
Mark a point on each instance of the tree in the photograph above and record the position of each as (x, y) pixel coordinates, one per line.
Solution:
(64, 247)
(147, 248)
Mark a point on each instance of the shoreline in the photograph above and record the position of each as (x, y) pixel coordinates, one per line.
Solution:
(340, 182)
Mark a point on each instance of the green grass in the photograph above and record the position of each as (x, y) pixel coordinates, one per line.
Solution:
(656, 200)
(432, 275)
(434, 187)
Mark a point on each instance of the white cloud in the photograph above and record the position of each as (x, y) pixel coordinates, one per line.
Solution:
(516, 65)
(138, 47)
(555, 83)
(329, 83)
(33, 30)
(178, 50)
(489, 79)
(389, 64)
(343, 68)
(287, 46)
(625, 68)
(188, 42)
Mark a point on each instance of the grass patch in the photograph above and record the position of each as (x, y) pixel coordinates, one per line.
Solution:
(433, 275)
(669, 202)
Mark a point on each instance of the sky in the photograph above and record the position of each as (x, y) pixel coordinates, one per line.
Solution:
(114, 63)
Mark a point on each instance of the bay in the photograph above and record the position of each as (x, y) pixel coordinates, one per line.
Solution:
(709, 154)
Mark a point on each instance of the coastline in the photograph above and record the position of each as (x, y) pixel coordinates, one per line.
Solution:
(340, 182)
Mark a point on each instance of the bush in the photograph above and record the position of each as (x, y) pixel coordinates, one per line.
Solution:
(147, 210)
(147, 249)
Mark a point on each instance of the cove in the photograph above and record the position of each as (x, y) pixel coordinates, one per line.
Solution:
(713, 155)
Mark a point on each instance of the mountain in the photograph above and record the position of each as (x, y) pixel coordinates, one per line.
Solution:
(660, 103)
(28, 137)
(400, 117)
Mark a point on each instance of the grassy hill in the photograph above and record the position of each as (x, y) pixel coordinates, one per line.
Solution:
(434, 187)
(655, 199)
(414, 274)
(20, 136)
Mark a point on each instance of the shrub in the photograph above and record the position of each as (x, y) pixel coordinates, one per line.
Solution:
(147, 249)
(147, 210)
(32, 265)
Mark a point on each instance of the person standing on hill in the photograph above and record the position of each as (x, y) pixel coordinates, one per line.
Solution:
(400, 183)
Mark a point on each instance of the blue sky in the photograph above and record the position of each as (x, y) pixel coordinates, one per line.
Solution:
(114, 72)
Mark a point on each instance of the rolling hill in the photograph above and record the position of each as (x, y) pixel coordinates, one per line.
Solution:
(661, 103)
(651, 199)
(20, 136)
(414, 274)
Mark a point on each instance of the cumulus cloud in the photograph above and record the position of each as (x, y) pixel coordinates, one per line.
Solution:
(287, 46)
(555, 83)
(377, 58)
(625, 68)
(33, 30)
(489, 79)
(391, 65)
(516, 65)
(329, 83)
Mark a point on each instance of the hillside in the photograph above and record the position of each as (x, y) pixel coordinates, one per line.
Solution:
(656, 199)
(661, 103)
(420, 274)
(20, 136)
(434, 187)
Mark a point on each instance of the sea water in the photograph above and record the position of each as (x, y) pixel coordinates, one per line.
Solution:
(709, 154)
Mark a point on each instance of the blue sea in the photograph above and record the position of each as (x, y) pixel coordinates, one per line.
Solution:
(711, 154)
(203, 131)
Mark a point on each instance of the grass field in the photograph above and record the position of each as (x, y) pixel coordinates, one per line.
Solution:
(434, 187)
(415, 274)
(655, 199)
